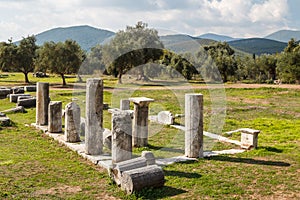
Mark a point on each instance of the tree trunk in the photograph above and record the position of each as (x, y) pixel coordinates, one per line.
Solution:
(120, 78)
(64, 80)
(26, 77)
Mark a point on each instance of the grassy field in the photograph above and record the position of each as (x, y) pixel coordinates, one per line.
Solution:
(34, 166)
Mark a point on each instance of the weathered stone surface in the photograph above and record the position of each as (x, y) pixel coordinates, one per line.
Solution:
(2, 114)
(121, 136)
(137, 179)
(30, 88)
(42, 102)
(94, 117)
(107, 138)
(4, 92)
(54, 117)
(194, 125)
(15, 110)
(27, 103)
(17, 90)
(4, 121)
(149, 157)
(24, 97)
(82, 126)
(249, 138)
(72, 122)
(140, 121)
(124, 104)
(165, 117)
(13, 98)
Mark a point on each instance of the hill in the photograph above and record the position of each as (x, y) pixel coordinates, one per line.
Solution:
(284, 35)
(216, 37)
(86, 36)
(180, 43)
(258, 46)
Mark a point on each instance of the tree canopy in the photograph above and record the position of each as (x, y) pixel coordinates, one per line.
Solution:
(60, 58)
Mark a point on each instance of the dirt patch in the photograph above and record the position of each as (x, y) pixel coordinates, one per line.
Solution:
(59, 190)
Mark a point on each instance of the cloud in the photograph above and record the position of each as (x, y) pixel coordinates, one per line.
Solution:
(232, 17)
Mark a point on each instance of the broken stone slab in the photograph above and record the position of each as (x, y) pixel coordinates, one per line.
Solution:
(2, 114)
(124, 104)
(72, 122)
(13, 98)
(4, 121)
(27, 103)
(54, 117)
(15, 110)
(165, 117)
(30, 88)
(24, 97)
(17, 90)
(4, 92)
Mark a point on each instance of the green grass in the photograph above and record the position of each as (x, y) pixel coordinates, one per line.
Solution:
(34, 166)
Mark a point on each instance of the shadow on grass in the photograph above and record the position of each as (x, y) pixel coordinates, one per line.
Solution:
(250, 161)
(181, 174)
(159, 193)
(271, 149)
(168, 149)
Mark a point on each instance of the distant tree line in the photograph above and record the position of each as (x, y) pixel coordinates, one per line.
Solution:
(138, 50)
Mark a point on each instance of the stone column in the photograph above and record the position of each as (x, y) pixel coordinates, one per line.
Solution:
(42, 101)
(140, 121)
(72, 122)
(121, 128)
(94, 117)
(194, 125)
(54, 117)
(124, 104)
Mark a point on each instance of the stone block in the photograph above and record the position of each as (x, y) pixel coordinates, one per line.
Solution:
(17, 90)
(165, 117)
(13, 98)
(249, 138)
(4, 92)
(72, 122)
(30, 88)
(27, 103)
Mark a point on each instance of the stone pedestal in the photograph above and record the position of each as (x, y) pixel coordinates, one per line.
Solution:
(55, 117)
(140, 121)
(72, 122)
(42, 101)
(194, 125)
(249, 138)
(124, 104)
(94, 117)
(121, 135)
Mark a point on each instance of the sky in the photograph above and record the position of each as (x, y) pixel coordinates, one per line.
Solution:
(235, 18)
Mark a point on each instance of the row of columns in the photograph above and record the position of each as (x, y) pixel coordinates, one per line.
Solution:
(125, 131)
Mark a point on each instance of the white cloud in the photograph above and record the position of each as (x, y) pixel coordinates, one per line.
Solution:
(232, 17)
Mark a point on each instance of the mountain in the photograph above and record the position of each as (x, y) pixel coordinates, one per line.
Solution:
(216, 37)
(258, 46)
(86, 36)
(284, 35)
(180, 43)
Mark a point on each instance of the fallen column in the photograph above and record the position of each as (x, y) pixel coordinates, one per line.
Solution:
(194, 125)
(137, 179)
